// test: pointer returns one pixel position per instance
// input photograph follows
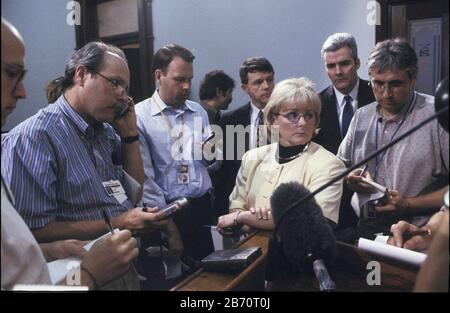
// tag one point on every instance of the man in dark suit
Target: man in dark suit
(257, 81)
(340, 100)
(340, 54)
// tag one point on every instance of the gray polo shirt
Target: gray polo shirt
(412, 165)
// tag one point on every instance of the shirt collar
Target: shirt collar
(254, 114)
(340, 96)
(155, 110)
(90, 131)
(399, 116)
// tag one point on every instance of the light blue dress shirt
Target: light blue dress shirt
(160, 141)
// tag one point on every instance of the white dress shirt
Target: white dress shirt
(340, 101)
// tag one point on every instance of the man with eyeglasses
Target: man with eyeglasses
(15, 91)
(23, 260)
(69, 162)
(415, 171)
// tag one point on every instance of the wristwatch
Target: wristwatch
(130, 139)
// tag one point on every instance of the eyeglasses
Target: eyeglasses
(394, 85)
(14, 71)
(294, 117)
(116, 84)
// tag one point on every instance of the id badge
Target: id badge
(183, 174)
(115, 189)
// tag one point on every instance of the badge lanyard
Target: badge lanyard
(183, 170)
(169, 125)
(379, 159)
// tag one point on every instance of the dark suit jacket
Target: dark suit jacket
(330, 138)
(230, 168)
(330, 133)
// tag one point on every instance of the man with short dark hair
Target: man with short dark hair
(257, 81)
(172, 129)
(215, 93)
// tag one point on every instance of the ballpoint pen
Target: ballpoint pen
(364, 170)
(420, 232)
(111, 229)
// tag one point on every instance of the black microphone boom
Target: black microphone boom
(441, 109)
(359, 164)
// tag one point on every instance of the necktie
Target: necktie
(259, 128)
(347, 115)
(217, 117)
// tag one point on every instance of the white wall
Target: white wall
(290, 33)
(49, 40)
(220, 33)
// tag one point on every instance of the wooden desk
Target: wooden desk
(348, 272)
(252, 278)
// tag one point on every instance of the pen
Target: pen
(364, 170)
(108, 221)
(409, 234)
(111, 229)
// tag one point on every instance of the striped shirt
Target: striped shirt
(55, 163)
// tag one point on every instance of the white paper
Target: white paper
(172, 265)
(224, 242)
(360, 199)
(23, 287)
(401, 254)
(59, 269)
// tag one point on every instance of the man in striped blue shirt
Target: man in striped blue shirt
(64, 162)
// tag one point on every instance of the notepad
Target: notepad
(400, 254)
(59, 269)
(231, 260)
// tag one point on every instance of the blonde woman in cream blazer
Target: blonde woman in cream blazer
(294, 109)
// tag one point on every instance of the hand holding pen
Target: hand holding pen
(357, 181)
(409, 236)
(112, 231)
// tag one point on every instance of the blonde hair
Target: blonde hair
(296, 93)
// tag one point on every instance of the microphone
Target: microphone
(441, 102)
(441, 109)
(306, 239)
(175, 206)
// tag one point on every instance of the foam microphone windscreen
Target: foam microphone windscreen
(304, 230)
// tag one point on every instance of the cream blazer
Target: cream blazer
(260, 174)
